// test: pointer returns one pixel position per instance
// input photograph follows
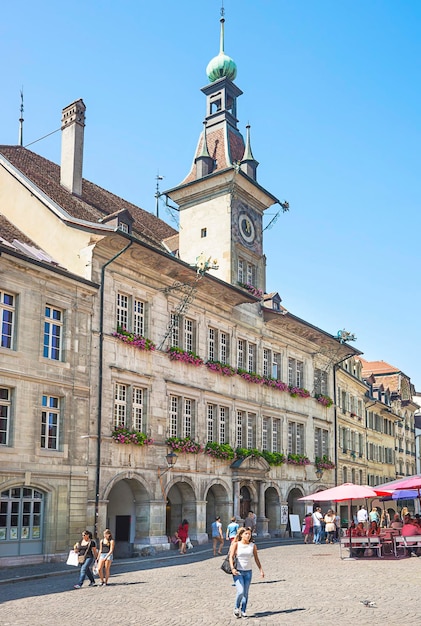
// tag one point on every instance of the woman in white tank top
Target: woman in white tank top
(243, 550)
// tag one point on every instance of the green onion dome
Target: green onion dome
(221, 66)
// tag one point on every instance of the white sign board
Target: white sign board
(294, 522)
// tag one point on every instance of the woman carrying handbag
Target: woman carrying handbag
(243, 550)
(87, 552)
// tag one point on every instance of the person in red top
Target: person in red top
(358, 531)
(409, 529)
(182, 534)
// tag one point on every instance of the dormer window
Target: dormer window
(123, 227)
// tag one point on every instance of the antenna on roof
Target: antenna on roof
(157, 193)
(21, 119)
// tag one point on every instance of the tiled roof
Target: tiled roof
(221, 142)
(13, 238)
(377, 367)
(9, 232)
(95, 202)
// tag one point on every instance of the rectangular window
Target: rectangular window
(295, 372)
(120, 405)
(241, 346)
(5, 408)
(251, 430)
(212, 352)
(53, 330)
(247, 272)
(138, 317)
(217, 422)
(241, 271)
(131, 314)
(183, 332)
(122, 311)
(223, 347)
(271, 364)
(251, 360)
(217, 345)
(320, 381)
(210, 421)
(276, 435)
(138, 409)
(246, 355)
(321, 440)
(265, 426)
(182, 417)
(50, 422)
(7, 317)
(203, 232)
(239, 429)
(188, 334)
(129, 407)
(295, 438)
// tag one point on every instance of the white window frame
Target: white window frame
(130, 406)
(295, 438)
(183, 332)
(7, 319)
(182, 416)
(131, 313)
(295, 372)
(53, 333)
(5, 415)
(50, 423)
(321, 442)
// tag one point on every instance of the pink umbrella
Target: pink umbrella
(412, 482)
(347, 492)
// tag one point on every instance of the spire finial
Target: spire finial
(21, 119)
(222, 20)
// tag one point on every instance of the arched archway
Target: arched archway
(295, 507)
(272, 510)
(218, 503)
(128, 515)
(181, 504)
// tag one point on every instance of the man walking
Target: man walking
(317, 525)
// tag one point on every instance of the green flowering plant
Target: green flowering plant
(186, 356)
(273, 458)
(185, 445)
(138, 341)
(324, 400)
(220, 368)
(219, 450)
(121, 434)
(324, 462)
(297, 459)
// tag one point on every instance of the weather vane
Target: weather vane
(344, 336)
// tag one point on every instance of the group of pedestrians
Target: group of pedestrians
(320, 528)
(88, 554)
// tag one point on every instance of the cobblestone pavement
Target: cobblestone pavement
(304, 584)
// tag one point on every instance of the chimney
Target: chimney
(72, 127)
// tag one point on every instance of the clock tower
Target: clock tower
(221, 204)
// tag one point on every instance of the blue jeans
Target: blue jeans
(316, 533)
(85, 570)
(242, 583)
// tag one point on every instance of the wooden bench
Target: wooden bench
(404, 543)
(361, 543)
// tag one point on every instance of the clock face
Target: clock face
(247, 228)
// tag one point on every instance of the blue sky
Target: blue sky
(332, 92)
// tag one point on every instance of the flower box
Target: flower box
(186, 356)
(121, 434)
(138, 341)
